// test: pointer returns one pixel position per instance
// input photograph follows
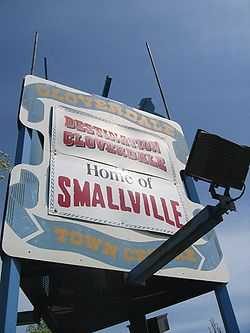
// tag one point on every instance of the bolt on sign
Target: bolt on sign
(101, 187)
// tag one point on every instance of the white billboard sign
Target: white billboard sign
(100, 186)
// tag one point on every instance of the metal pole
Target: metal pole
(9, 292)
(45, 68)
(11, 267)
(221, 293)
(158, 80)
(226, 310)
(34, 53)
(106, 87)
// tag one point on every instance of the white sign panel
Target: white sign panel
(88, 136)
(91, 191)
(99, 186)
(112, 174)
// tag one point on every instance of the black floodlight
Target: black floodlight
(158, 324)
(218, 161)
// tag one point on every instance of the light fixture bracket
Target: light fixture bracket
(224, 198)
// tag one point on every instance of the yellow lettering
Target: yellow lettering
(169, 130)
(61, 234)
(42, 90)
(132, 254)
(75, 238)
(131, 115)
(86, 100)
(70, 98)
(154, 124)
(100, 104)
(115, 108)
(110, 250)
(140, 254)
(57, 94)
(127, 255)
(143, 121)
(93, 243)
(188, 255)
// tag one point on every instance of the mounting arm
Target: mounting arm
(197, 227)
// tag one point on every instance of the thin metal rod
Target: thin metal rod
(45, 68)
(158, 80)
(34, 53)
(106, 87)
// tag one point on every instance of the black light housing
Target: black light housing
(218, 161)
(158, 324)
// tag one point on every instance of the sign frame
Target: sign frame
(27, 217)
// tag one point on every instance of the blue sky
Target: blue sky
(202, 51)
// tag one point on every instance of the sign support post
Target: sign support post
(9, 291)
(221, 293)
(226, 310)
(11, 267)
